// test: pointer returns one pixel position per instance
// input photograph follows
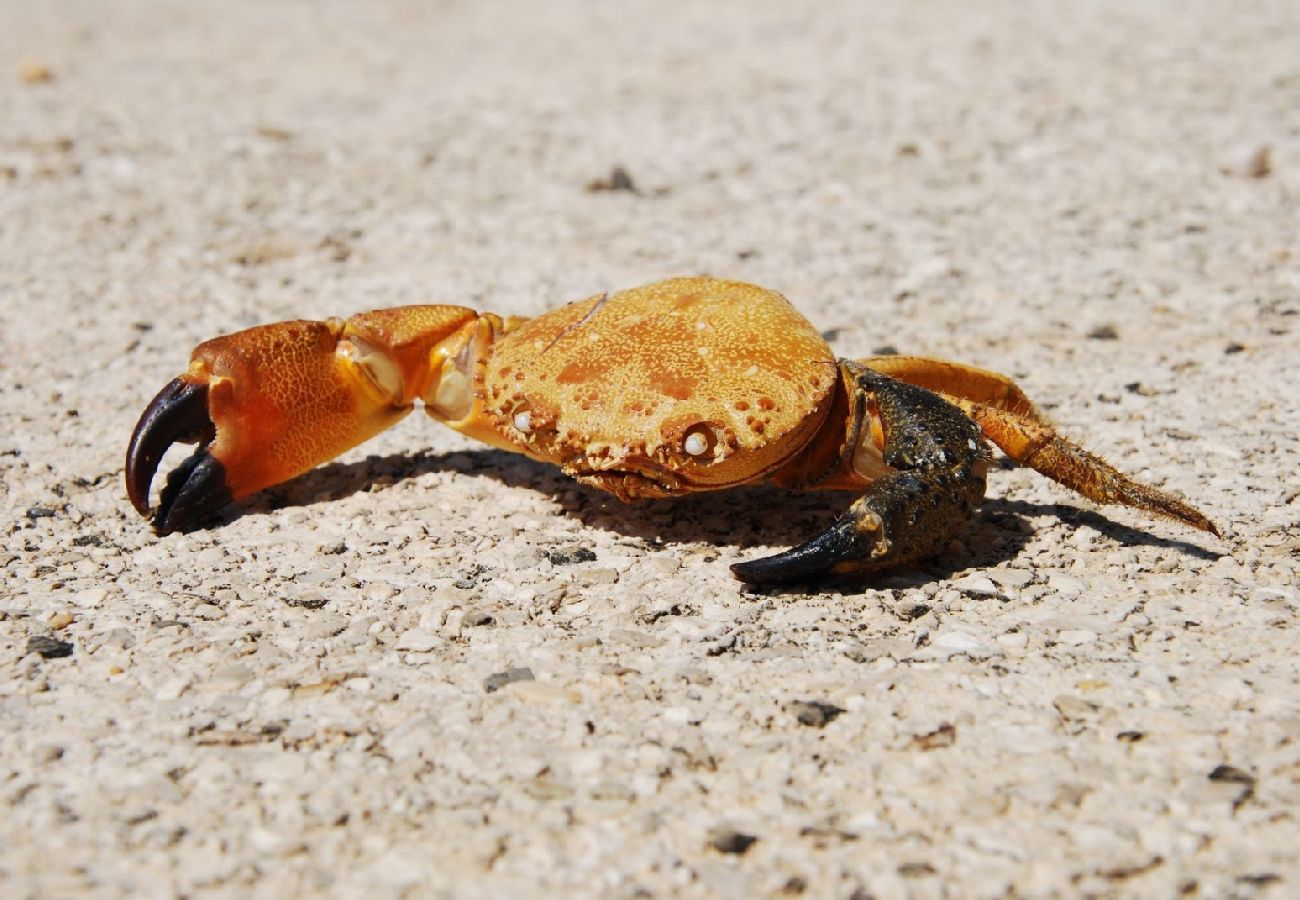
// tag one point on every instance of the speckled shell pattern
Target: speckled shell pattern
(685, 385)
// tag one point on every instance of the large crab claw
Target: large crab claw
(271, 402)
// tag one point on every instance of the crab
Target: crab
(686, 385)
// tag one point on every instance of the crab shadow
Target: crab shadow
(758, 516)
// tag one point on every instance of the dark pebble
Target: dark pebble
(1231, 775)
(569, 557)
(814, 713)
(497, 680)
(48, 647)
(728, 840)
(618, 180)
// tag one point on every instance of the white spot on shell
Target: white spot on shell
(971, 444)
(705, 351)
(696, 444)
(524, 421)
(751, 371)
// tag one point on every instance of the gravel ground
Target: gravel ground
(432, 668)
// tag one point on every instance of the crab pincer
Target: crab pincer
(179, 413)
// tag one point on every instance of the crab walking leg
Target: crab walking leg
(271, 402)
(1009, 419)
(957, 380)
(1034, 443)
(939, 460)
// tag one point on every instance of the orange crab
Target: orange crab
(692, 384)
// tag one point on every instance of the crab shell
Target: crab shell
(687, 385)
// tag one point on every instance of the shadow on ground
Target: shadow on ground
(747, 517)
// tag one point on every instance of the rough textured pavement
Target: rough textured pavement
(327, 692)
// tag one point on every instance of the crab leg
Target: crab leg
(1007, 418)
(271, 402)
(938, 460)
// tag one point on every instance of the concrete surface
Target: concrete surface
(1100, 199)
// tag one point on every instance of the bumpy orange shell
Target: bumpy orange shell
(688, 384)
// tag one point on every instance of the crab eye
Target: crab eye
(523, 421)
(699, 440)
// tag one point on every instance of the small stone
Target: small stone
(560, 557)
(119, 638)
(228, 679)
(1074, 708)
(91, 598)
(33, 71)
(360, 684)
(1248, 161)
(1075, 638)
(171, 690)
(475, 618)
(728, 840)
(59, 621)
(943, 736)
(418, 641)
(663, 565)
(814, 713)
(1237, 783)
(47, 647)
(497, 680)
(1015, 640)
(617, 180)
(598, 576)
(1011, 578)
(979, 585)
(1105, 332)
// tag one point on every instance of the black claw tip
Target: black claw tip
(178, 413)
(194, 488)
(833, 552)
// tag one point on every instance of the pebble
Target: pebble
(91, 598)
(1074, 708)
(814, 713)
(120, 639)
(1011, 578)
(1248, 161)
(497, 680)
(1076, 638)
(418, 641)
(172, 689)
(48, 647)
(597, 576)
(729, 840)
(59, 621)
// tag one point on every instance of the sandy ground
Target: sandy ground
(305, 699)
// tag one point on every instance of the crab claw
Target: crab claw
(269, 403)
(179, 413)
(834, 551)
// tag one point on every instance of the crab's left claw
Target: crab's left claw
(179, 413)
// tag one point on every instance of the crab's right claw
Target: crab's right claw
(271, 402)
(179, 413)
